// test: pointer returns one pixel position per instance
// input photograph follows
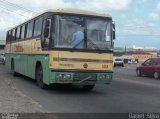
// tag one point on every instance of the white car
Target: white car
(118, 62)
(2, 58)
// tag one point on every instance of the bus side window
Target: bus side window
(30, 29)
(8, 37)
(25, 31)
(22, 32)
(13, 35)
(15, 38)
(18, 33)
(38, 27)
(35, 28)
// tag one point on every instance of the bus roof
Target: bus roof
(67, 11)
(78, 11)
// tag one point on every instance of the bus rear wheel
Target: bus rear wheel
(88, 87)
(39, 77)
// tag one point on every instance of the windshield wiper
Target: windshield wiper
(94, 45)
(85, 40)
(78, 44)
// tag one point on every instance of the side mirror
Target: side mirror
(47, 28)
(143, 64)
(113, 31)
(47, 23)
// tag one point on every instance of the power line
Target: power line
(17, 6)
(139, 36)
(147, 28)
(13, 12)
(132, 28)
(140, 26)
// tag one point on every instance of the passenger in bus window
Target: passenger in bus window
(78, 39)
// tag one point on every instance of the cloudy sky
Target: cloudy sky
(137, 21)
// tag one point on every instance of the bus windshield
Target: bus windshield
(84, 32)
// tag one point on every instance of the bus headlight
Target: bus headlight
(63, 76)
(105, 76)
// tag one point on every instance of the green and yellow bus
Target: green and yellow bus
(63, 46)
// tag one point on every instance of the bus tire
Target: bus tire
(13, 68)
(88, 87)
(39, 77)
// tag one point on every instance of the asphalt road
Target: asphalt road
(127, 93)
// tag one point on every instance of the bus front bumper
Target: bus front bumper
(83, 78)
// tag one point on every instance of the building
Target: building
(141, 56)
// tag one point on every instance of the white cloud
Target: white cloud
(141, 1)
(138, 28)
(41, 5)
(104, 4)
(81, 4)
(154, 16)
(158, 6)
(123, 16)
(10, 19)
(12, 14)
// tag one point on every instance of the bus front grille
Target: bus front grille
(82, 77)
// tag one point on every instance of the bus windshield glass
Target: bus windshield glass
(83, 32)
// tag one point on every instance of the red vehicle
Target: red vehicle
(150, 67)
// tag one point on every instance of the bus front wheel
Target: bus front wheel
(39, 77)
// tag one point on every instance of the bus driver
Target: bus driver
(77, 39)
